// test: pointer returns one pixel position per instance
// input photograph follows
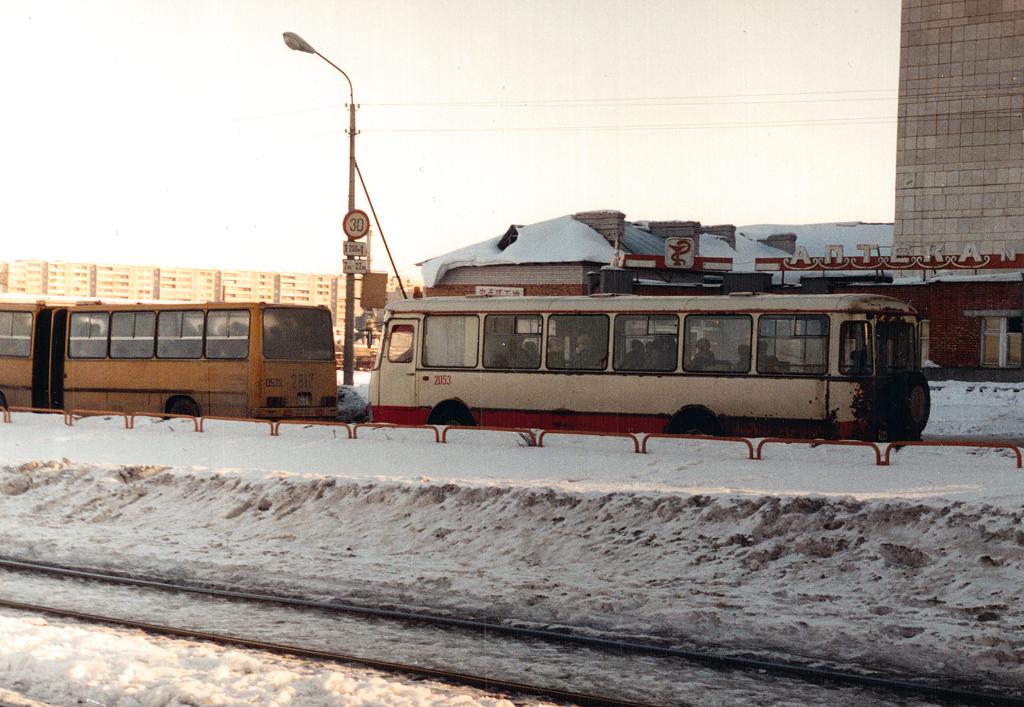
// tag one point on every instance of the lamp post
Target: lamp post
(294, 41)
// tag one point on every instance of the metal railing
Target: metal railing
(535, 438)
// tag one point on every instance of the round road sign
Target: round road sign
(356, 225)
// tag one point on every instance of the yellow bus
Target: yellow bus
(244, 360)
(806, 366)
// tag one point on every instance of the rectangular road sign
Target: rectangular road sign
(354, 248)
(351, 265)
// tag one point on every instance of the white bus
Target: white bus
(751, 365)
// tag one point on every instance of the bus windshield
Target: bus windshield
(297, 334)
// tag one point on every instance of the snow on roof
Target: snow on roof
(558, 240)
(565, 240)
(970, 276)
(816, 237)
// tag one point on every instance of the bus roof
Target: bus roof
(157, 305)
(736, 302)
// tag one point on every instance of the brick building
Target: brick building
(959, 217)
(960, 180)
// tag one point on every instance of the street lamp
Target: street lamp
(294, 41)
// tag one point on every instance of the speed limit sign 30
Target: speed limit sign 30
(356, 225)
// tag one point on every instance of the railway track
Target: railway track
(491, 656)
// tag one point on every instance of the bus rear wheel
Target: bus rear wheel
(451, 415)
(183, 406)
(694, 422)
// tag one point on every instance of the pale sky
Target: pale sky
(185, 132)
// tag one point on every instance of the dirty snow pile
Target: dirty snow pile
(816, 551)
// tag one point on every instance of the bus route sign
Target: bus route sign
(356, 224)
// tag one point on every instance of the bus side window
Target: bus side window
(646, 342)
(577, 341)
(16, 334)
(512, 341)
(400, 343)
(450, 340)
(132, 334)
(717, 343)
(792, 344)
(855, 348)
(227, 334)
(179, 334)
(88, 335)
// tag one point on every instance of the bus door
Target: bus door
(48, 359)
(396, 378)
(903, 401)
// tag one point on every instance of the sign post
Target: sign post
(356, 225)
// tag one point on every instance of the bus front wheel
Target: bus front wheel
(451, 414)
(183, 406)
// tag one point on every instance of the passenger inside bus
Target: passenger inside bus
(664, 354)
(526, 356)
(704, 358)
(858, 362)
(586, 354)
(772, 364)
(742, 364)
(496, 355)
(636, 358)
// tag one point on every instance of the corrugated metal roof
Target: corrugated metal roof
(639, 241)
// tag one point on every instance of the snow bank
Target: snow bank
(813, 550)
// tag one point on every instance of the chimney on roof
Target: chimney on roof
(726, 232)
(609, 224)
(677, 229)
(782, 241)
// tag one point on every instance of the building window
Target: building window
(923, 335)
(1000, 342)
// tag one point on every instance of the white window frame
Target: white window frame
(1004, 343)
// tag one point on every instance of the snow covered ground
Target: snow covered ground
(812, 550)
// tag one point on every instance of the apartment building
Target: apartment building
(149, 282)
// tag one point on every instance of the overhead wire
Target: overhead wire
(908, 102)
